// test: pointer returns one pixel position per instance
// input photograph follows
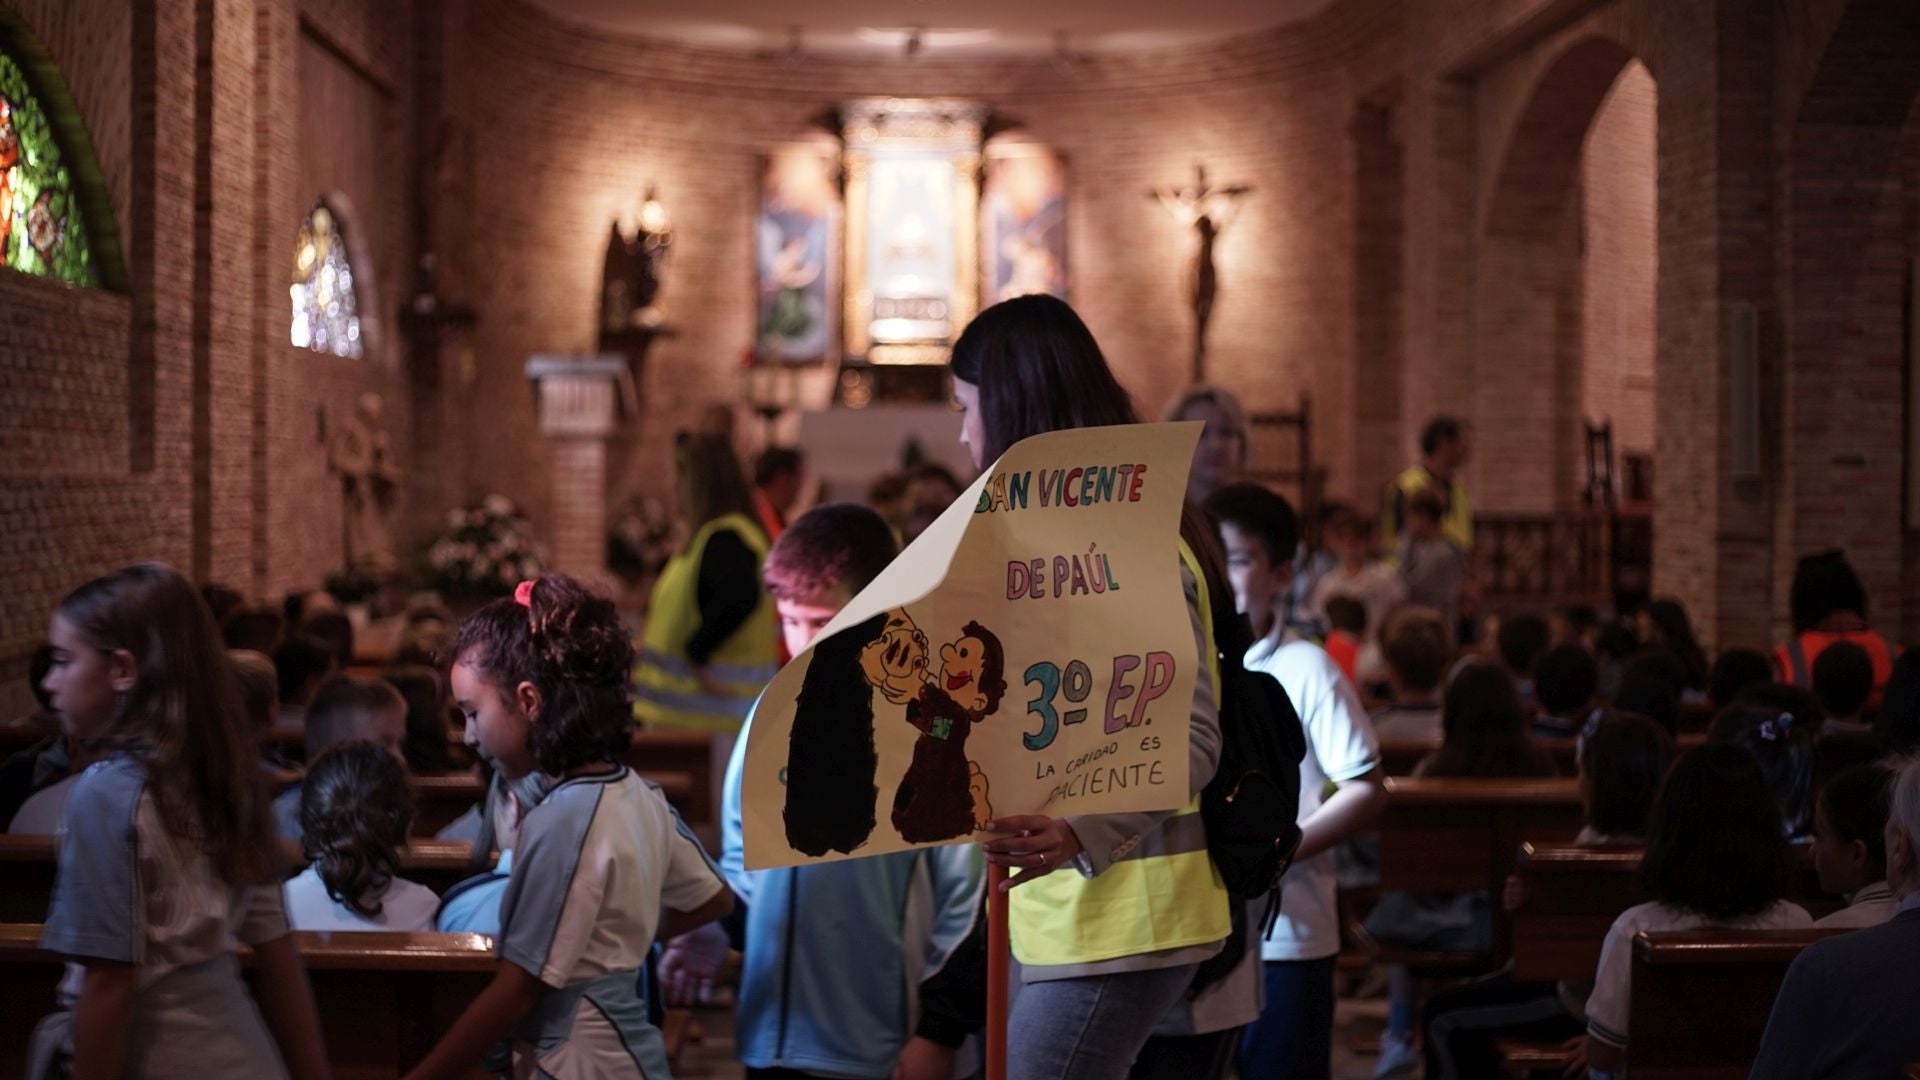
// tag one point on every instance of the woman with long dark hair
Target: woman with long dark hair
(1105, 960)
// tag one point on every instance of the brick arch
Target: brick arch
(1529, 280)
(1842, 394)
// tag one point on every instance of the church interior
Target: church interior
(387, 307)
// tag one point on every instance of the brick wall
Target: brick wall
(567, 126)
(1619, 264)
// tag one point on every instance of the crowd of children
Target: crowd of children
(165, 794)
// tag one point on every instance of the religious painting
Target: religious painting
(910, 250)
(795, 244)
(1023, 223)
(41, 231)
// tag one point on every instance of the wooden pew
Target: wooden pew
(383, 998)
(27, 869)
(1701, 999)
(687, 753)
(1398, 757)
(1444, 834)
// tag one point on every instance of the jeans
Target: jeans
(1091, 1028)
(1463, 1023)
(1293, 1039)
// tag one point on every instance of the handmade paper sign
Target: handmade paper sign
(1030, 653)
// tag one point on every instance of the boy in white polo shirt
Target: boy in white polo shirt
(1293, 1037)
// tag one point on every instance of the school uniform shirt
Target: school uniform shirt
(595, 863)
(40, 815)
(404, 905)
(1340, 747)
(1870, 906)
(1607, 1006)
(130, 892)
(836, 952)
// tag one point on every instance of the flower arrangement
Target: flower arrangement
(641, 537)
(485, 551)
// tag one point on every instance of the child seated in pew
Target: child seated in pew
(301, 666)
(1716, 857)
(428, 746)
(1650, 684)
(344, 709)
(1520, 643)
(1622, 759)
(1733, 671)
(45, 761)
(1850, 844)
(1780, 726)
(1843, 681)
(542, 680)
(1565, 679)
(1486, 736)
(1417, 647)
(355, 810)
(167, 863)
(1347, 642)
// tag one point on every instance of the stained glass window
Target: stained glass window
(41, 231)
(326, 312)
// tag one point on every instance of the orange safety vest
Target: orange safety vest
(1794, 660)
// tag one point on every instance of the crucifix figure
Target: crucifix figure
(1209, 210)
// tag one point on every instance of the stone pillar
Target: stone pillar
(581, 400)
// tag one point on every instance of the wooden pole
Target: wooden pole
(999, 951)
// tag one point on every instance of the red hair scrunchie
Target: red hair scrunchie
(523, 594)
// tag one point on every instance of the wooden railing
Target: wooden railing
(1588, 556)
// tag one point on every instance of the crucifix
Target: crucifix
(1209, 210)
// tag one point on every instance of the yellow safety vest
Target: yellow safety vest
(1456, 524)
(666, 693)
(1164, 894)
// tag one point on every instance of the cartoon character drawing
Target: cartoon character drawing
(830, 754)
(936, 800)
(977, 787)
(895, 661)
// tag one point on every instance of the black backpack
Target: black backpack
(1251, 805)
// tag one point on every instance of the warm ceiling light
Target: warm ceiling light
(901, 35)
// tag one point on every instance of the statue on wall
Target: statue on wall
(1208, 210)
(630, 276)
(362, 457)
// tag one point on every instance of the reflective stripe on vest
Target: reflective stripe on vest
(1164, 893)
(666, 692)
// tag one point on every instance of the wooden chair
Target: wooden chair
(1701, 999)
(383, 998)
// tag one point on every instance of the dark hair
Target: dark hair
(1522, 639)
(222, 600)
(1676, 633)
(1564, 678)
(342, 708)
(836, 544)
(568, 642)
(1824, 584)
(259, 687)
(888, 488)
(1426, 503)
(1898, 721)
(38, 667)
(258, 629)
(1615, 642)
(1714, 845)
(1039, 370)
(933, 470)
(993, 664)
(298, 662)
(1843, 678)
(1858, 802)
(423, 643)
(1580, 618)
(1346, 614)
(424, 689)
(1783, 745)
(773, 462)
(1735, 670)
(355, 811)
(1417, 647)
(1439, 431)
(709, 480)
(1486, 729)
(1261, 514)
(1623, 757)
(333, 631)
(183, 721)
(1650, 684)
